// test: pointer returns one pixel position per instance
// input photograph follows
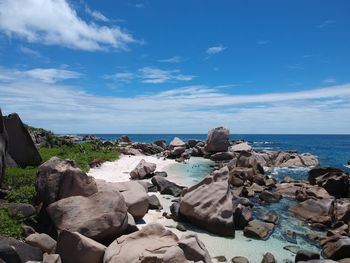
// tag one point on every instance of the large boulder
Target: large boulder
(152, 240)
(241, 147)
(167, 187)
(21, 147)
(101, 216)
(24, 251)
(135, 195)
(336, 247)
(3, 147)
(143, 170)
(222, 156)
(57, 179)
(208, 204)
(258, 229)
(293, 159)
(154, 243)
(334, 180)
(314, 211)
(249, 160)
(177, 142)
(76, 248)
(217, 140)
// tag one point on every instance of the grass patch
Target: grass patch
(23, 194)
(9, 226)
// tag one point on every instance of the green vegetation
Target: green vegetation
(23, 194)
(8, 225)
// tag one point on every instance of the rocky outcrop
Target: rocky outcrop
(208, 204)
(335, 181)
(134, 194)
(314, 211)
(217, 140)
(222, 156)
(154, 243)
(76, 248)
(124, 139)
(288, 159)
(58, 179)
(147, 148)
(249, 160)
(101, 216)
(176, 148)
(167, 187)
(241, 147)
(21, 148)
(143, 170)
(3, 147)
(19, 250)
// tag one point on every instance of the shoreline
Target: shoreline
(118, 171)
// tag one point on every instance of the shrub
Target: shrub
(9, 226)
(23, 194)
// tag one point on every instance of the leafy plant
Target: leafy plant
(8, 225)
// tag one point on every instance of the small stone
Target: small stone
(182, 228)
(268, 258)
(239, 260)
(220, 259)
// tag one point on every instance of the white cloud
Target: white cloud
(192, 109)
(30, 52)
(96, 14)
(329, 81)
(156, 75)
(55, 22)
(326, 24)
(175, 59)
(46, 75)
(215, 50)
(125, 77)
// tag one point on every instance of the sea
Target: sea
(332, 150)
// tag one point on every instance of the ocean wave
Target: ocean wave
(267, 142)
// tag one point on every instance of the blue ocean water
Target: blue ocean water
(332, 150)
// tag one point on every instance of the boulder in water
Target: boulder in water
(217, 140)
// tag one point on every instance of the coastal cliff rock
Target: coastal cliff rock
(217, 140)
(154, 243)
(3, 147)
(57, 179)
(101, 216)
(208, 204)
(135, 195)
(334, 180)
(76, 248)
(143, 170)
(21, 148)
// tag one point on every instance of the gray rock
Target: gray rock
(177, 142)
(222, 156)
(43, 241)
(58, 179)
(258, 229)
(208, 204)
(143, 170)
(21, 147)
(23, 250)
(167, 187)
(19, 210)
(241, 147)
(194, 249)
(101, 216)
(9, 254)
(305, 255)
(239, 260)
(76, 248)
(154, 203)
(270, 197)
(217, 140)
(134, 194)
(268, 258)
(51, 258)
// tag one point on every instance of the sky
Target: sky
(185, 66)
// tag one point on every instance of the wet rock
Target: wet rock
(242, 216)
(143, 170)
(239, 260)
(305, 255)
(101, 216)
(135, 196)
(335, 181)
(76, 248)
(290, 236)
(57, 179)
(208, 204)
(268, 258)
(43, 241)
(270, 218)
(21, 148)
(258, 229)
(220, 259)
(154, 203)
(167, 187)
(316, 211)
(292, 249)
(270, 197)
(24, 251)
(217, 140)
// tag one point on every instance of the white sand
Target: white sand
(118, 171)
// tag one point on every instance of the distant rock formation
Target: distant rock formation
(3, 147)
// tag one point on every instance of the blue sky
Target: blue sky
(177, 66)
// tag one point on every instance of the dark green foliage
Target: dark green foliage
(9, 226)
(23, 194)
